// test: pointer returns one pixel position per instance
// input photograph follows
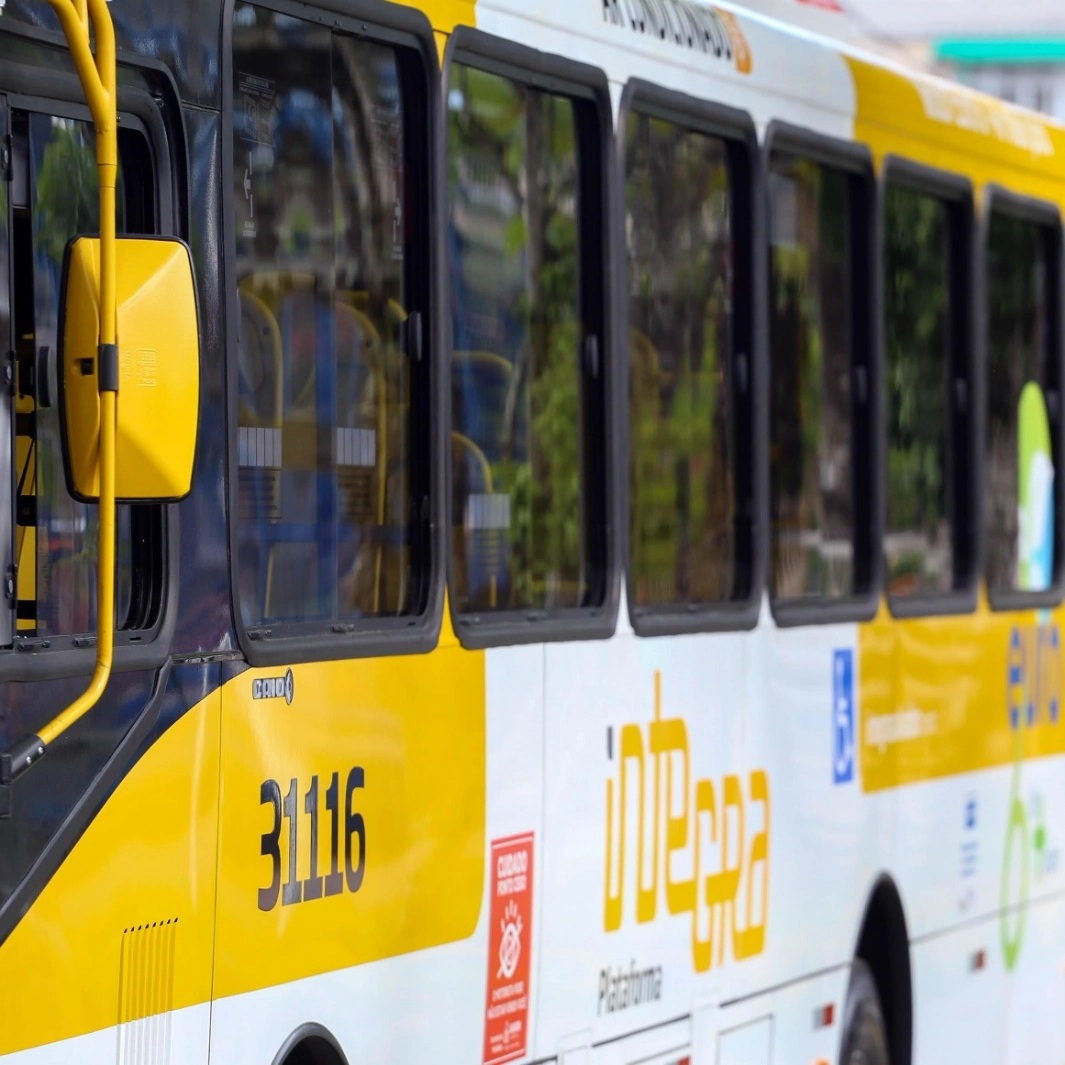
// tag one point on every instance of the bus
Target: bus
(529, 534)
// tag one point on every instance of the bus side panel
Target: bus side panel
(1034, 1029)
(449, 823)
(124, 931)
(705, 836)
(352, 814)
(959, 1011)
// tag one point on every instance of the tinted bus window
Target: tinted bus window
(811, 301)
(520, 531)
(681, 419)
(918, 545)
(1022, 383)
(325, 525)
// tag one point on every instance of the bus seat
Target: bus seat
(646, 367)
(282, 291)
(487, 360)
(259, 363)
(266, 304)
(484, 379)
(480, 554)
(362, 405)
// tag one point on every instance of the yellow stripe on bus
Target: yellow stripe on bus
(941, 696)
(948, 126)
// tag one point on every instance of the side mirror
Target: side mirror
(158, 369)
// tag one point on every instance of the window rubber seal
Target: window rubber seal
(956, 191)
(1047, 216)
(583, 82)
(855, 159)
(270, 644)
(748, 209)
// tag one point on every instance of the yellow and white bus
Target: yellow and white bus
(578, 577)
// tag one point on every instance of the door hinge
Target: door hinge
(10, 584)
(5, 157)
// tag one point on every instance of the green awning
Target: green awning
(1001, 50)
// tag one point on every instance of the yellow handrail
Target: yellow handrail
(98, 77)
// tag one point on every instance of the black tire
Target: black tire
(864, 1033)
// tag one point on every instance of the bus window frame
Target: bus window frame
(409, 32)
(577, 81)
(1047, 215)
(956, 192)
(747, 206)
(45, 90)
(856, 160)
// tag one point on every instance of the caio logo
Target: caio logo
(274, 687)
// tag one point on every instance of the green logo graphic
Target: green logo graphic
(1035, 504)
(1018, 850)
(1035, 570)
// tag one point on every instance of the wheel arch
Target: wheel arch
(310, 1044)
(884, 945)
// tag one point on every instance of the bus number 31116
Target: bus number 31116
(315, 886)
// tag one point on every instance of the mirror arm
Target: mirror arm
(98, 78)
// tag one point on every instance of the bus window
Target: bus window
(56, 536)
(520, 529)
(926, 352)
(325, 433)
(7, 521)
(1021, 441)
(811, 305)
(682, 423)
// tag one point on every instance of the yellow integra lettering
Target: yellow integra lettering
(731, 898)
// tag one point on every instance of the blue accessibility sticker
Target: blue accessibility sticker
(842, 716)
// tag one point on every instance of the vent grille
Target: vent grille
(146, 993)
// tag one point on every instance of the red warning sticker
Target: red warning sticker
(509, 946)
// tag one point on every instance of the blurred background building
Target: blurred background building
(1014, 49)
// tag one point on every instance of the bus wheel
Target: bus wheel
(864, 1035)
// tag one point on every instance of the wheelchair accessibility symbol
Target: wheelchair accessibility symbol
(842, 716)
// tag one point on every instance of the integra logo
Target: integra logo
(721, 834)
(274, 687)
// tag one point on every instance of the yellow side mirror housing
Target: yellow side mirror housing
(158, 369)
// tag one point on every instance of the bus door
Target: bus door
(107, 843)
